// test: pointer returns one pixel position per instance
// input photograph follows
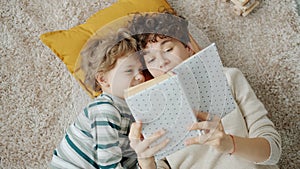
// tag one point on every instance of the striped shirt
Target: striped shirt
(98, 138)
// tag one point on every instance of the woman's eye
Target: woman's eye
(168, 49)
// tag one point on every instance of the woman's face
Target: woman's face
(163, 55)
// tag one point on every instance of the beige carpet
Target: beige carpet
(39, 98)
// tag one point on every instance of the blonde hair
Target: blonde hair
(101, 53)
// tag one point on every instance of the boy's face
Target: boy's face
(126, 73)
(163, 55)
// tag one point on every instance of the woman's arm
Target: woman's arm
(255, 116)
(252, 149)
(263, 145)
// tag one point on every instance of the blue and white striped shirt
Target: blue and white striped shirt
(98, 138)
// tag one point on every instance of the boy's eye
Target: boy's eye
(141, 69)
(151, 60)
(128, 71)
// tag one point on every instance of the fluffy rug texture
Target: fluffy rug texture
(39, 97)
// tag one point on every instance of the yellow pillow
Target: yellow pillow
(67, 44)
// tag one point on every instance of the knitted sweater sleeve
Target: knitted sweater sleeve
(255, 114)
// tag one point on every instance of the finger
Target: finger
(202, 139)
(148, 141)
(195, 140)
(213, 135)
(218, 121)
(204, 125)
(216, 118)
(221, 128)
(215, 132)
(202, 116)
(153, 150)
(135, 131)
(191, 141)
(214, 142)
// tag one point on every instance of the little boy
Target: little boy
(246, 132)
(99, 136)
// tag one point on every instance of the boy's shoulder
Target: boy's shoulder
(102, 103)
(103, 98)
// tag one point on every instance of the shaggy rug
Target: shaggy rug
(39, 97)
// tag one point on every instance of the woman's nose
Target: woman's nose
(163, 61)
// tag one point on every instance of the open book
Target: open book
(169, 101)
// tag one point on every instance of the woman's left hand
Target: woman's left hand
(214, 134)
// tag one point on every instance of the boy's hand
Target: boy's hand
(141, 146)
(214, 133)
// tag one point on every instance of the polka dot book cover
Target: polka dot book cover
(170, 101)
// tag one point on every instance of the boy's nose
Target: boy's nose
(140, 77)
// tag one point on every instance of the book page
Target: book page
(164, 106)
(202, 78)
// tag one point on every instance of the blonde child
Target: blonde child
(244, 138)
(99, 136)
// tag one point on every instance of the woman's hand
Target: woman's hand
(214, 134)
(141, 146)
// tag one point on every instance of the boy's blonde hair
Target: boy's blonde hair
(101, 53)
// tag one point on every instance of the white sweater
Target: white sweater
(249, 119)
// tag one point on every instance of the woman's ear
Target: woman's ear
(190, 49)
(102, 80)
(193, 44)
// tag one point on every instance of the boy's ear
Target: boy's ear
(102, 80)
